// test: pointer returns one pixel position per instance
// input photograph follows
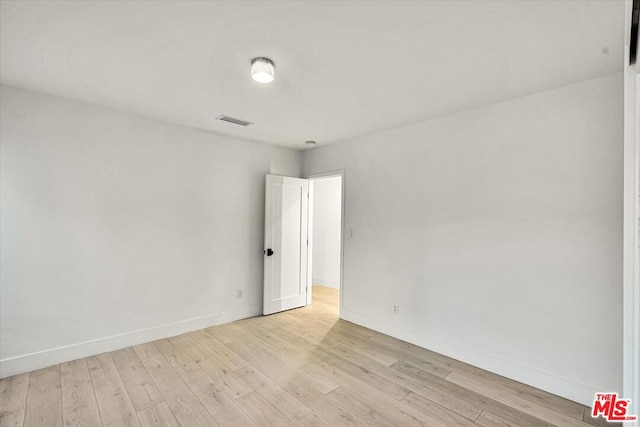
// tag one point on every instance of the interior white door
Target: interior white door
(285, 243)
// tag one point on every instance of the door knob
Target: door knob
(269, 252)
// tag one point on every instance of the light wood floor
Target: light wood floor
(301, 367)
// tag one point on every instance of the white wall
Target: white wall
(118, 229)
(327, 217)
(498, 231)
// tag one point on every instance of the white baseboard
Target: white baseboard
(551, 383)
(326, 282)
(42, 359)
(545, 381)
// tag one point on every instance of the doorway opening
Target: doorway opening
(325, 240)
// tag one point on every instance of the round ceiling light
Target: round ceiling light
(262, 70)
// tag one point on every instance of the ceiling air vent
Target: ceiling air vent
(233, 120)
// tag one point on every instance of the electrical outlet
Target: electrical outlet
(239, 293)
(395, 308)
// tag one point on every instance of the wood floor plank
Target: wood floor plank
(374, 394)
(215, 369)
(506, 397)
(233, 385)
(79, 406)
(427, 366)
(525, 392)
(171, 352)
(308, 373)
(465, 396)
(277, 373)
(316, 354)
(185, 406)
(427, 390)
(265, 322)
(368, 351)
(401, 349)
(207, 361)
(146, 350)
(425, 363)
(157, 416)
(47, 370)
(597, 422)
(13, 400)
(218, 349)
(285, 334)
(437, 414)
(226, 333)
(261, 412)
(294, 410)
(320, 404)
(487, 419)
(114, 404)
(312, 374)
(140, 387)
(44, 403)
(183, 340)
(454, 393)
(419, 373)
(426, 360)
(364, 397)
(123, 353)
(293, 324)
(249, 325)
(221, 407)
(365, 410)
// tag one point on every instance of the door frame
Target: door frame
(631, 226)
(314, 177)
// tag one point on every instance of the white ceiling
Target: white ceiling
(342, 68)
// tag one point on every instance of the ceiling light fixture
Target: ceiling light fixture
(262, 70)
